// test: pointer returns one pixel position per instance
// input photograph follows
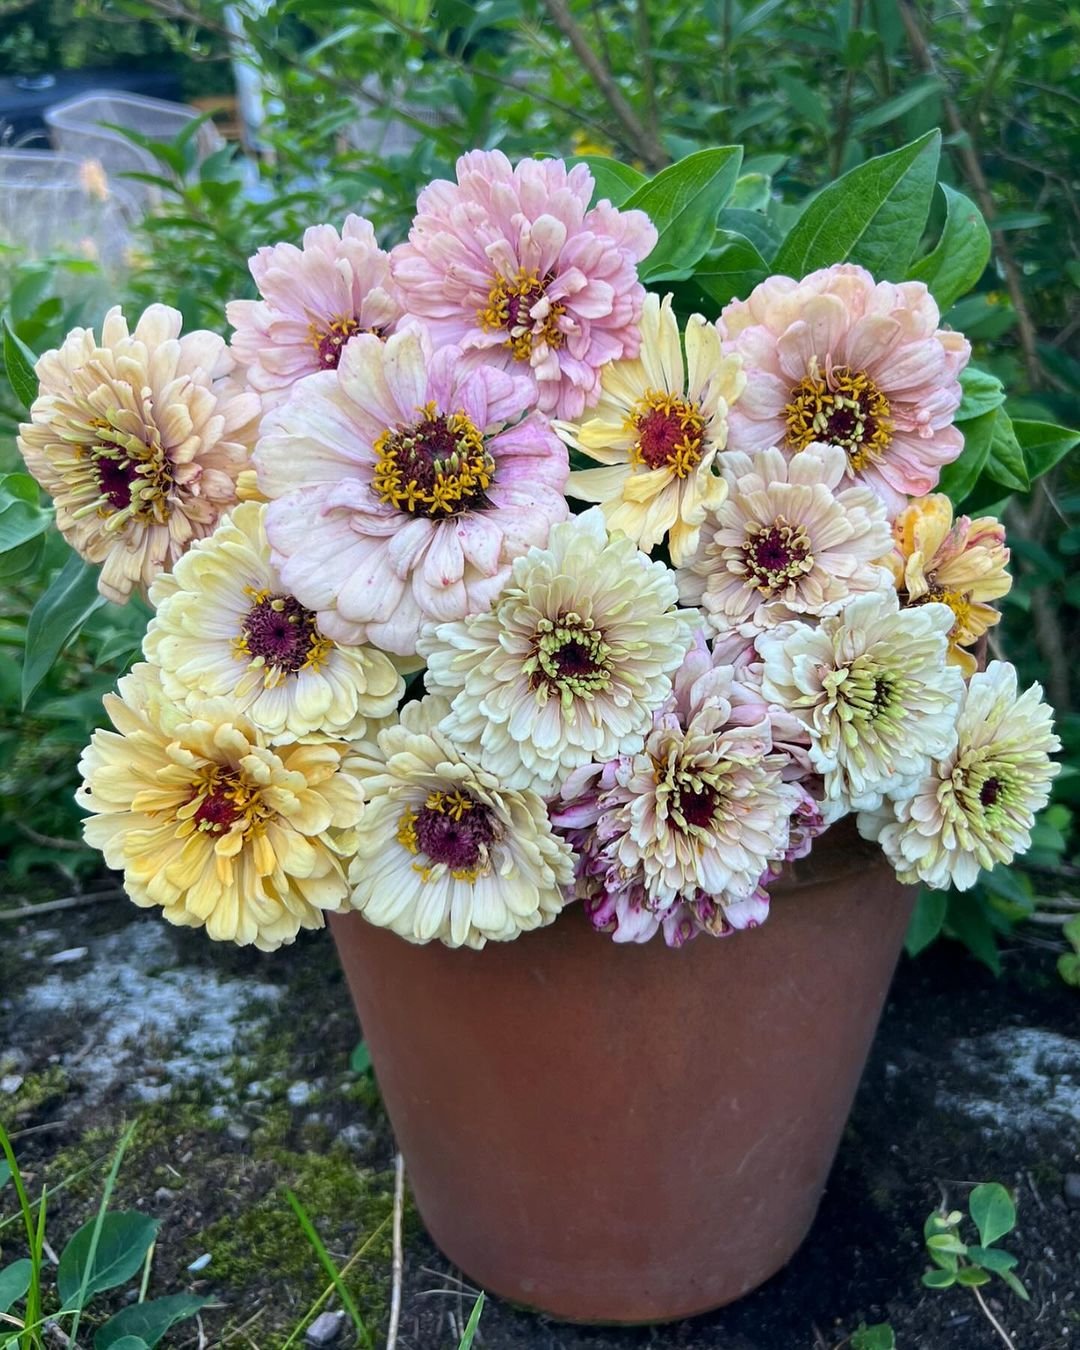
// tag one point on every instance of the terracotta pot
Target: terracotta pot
(629, 1133)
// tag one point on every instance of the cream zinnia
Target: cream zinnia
(315, 299)
(976, 806)
(872, 688)
(839, 358)
(139, 439)
(445, 851)
(657, 429)
(209, 823)
(570, 661)
(403, 484)
(959, 563)
(789, 540)
(226, 627)
(509, 261)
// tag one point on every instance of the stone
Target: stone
(201, 1262)
(325, 1330)
(164, 1196)
(299, 1094)
(66, 957)
(11, 1082)
(235, 1130)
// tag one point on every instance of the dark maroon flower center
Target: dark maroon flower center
(658, 434)
(454, 829)
(698, 806)
(329, 342)
(990, 792)
(116, 478)
(280, 630)
(575, 659)
(217, 812)
(440, 466)
(775, 555)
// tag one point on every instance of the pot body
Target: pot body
(621, 1133)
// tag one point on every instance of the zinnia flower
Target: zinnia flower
(976, 806)
(683, 832)
(445, 851)
(961, 564)
(788, 540)
(511, 262)
(838, 358)
(315, 299)
(226, 628)
(657, 429)
(872, 688)
(404, 486)
(139, 439)
(568, 664)
(209, 823)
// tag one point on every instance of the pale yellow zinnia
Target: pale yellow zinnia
(209, 823)
(959, 563)
(226, 627)
(139, 438)
(656, 430)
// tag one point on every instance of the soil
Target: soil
(237, 1067)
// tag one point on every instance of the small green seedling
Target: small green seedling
(878, 1337)
(1069, 963)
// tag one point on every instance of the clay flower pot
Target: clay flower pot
(629, 1133)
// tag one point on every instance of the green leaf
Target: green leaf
(123, 1242)
(982, 391)
(19, 362)
(14, 1282)
(683, 202)
(874, 215)
(939, 1279)
(896, 107)
(1044, 444)
(962, 252)
(971, 1277)
(992, 1258)
(807, 102)
(877, 1337)
(752, 192)
(614, 181)
(959, 477)
(127, 1343)
(360, 1059)
(21, 516)
(1005, 463)
(59, 613)
(968, 922)
(762, 232)
(5, 1172)
(147, 1322)
(991, 1207)
(947, 1242)
(926, 921)
(1015, 1285)
(732, 268)
(474, 1321)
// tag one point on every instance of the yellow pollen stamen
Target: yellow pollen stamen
(668, 431)
(842, 408)
(510, 304)
(437, 467)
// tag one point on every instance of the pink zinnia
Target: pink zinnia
(511, 261)
(840, 359)
(403, 485)
(315, 299)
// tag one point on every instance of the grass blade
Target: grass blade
(332, 1271)
(106, 1196)
(29, 1337)
(474, 1321)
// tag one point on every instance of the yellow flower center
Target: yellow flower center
(510, 306)
(279, 634)
(776, 554)
(451, 829)
(957, 601)
(437, 467)
(669, 432)
(844, 408)
(220, 799)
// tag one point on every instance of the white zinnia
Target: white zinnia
(226, 627)
(871, 686)
(445, 852)
(975, 808)
(788, 540)
(570, 662)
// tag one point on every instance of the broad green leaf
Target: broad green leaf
(614, 181)
(962, 252)
(926, 921)
(947, 1242)
(752, 192)
(21, 515)
(807, 102)
(968, 922)
(982, 391)
(683, 202)
(763, 233)
(1044, 444)
(360, 1059)
(878, 1337)
(123, 1243)
(732, 268)
(893, 108)
(971, 1277)
(14, 1282)
(992, 1258)
(1005, 463)
(147, 1322)
(19, 363)
(939, 1279)
(59, 613)
(991, 1207)
(129, 1343)
(874, 215)
(959, 477)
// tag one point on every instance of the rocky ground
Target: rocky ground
(237, 1067)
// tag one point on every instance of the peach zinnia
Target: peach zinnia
(841, 359)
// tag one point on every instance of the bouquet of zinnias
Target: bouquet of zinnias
(680, 587)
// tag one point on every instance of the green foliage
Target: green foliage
(970, 1265)
(469, 1334)
(877, 1337)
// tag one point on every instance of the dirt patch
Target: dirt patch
(238, 1067)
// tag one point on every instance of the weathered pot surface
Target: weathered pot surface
(629, 1133)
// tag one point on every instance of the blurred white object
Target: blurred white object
(82, 126)
(57, 203)
(378, 131)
